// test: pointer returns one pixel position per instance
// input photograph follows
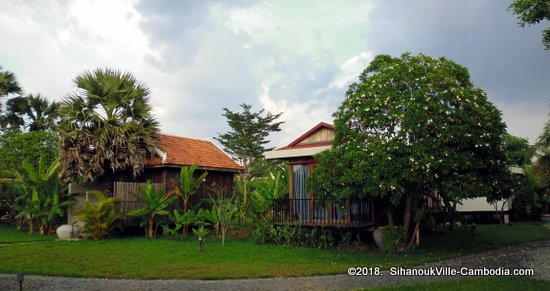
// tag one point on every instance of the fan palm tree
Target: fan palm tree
(8, 83)
(106, 124)
(32, 112)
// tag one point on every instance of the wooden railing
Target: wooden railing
(314, 212)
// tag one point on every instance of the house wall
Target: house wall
(321, 135)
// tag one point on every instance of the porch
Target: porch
(352, 212)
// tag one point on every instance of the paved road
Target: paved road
(534, 255)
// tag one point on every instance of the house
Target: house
(303, 207)
(163, 169)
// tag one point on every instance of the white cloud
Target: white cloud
(298, 117)
(349, 71)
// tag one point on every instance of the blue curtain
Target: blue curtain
(301, 206)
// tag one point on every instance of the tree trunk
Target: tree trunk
(407, 212)
(31, 225)
(389, 215)
(185, 229)
(417, 226)
(150, 227)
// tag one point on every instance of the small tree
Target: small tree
(155, 204)
(518, 154)
(246, 140)
(411, 126)
(225, 209)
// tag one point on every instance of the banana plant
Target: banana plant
(180, 220)
(188, 187)
(39, 200)
(155, 204)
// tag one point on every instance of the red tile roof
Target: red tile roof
(183, 151)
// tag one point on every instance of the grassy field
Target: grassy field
(164, 258)
(9, 234)
(481, 284)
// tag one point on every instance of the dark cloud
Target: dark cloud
(177, 28)
(507, 61)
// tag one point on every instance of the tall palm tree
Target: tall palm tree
(32, 112)
(106, 124)
(8, 85)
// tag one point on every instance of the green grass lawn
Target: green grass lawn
(163, 258)
(9, 234)
(481, 284)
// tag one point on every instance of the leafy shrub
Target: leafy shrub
(99, 218)
(291, 235)
(393, 238)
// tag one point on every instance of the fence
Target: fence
(129, 198)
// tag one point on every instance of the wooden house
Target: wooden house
(302, 207)
(163, 168)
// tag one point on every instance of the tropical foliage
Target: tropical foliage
(265, 190)
(40, 189)
(18, 147)
(224, 210)
(188, 186)
(99, 217)
(411, 126)
(106, 125)
(155, 204)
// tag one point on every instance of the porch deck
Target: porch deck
(350, 213)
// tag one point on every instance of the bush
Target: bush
(393, 238)
(291, 235)
(99, 218)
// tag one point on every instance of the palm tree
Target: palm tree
(8, 83)
(106, 123)
(32, 112)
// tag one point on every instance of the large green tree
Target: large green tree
(518, 151)
(106, 125)
(409, 127)
(531, 12)
(15, 148)
(247, 139)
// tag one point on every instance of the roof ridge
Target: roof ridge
(179, 136)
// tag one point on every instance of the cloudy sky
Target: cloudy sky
(295, 57)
